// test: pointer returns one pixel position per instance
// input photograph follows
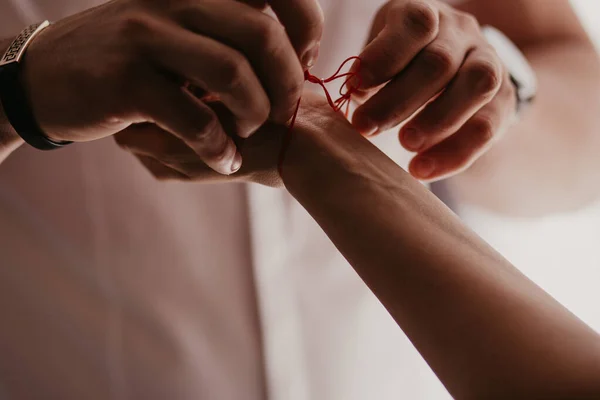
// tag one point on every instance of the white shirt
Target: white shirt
(115, 286)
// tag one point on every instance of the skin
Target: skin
(509, 339)
(429, 58)
(155, 54)
(409, 39)
(178, 162)
(548, 162)
(468, 135)
(486, 330)
(544, 163)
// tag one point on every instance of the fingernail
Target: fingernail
(413, 139)
(237, 162)
(424, 167)
(365, 125)
(310, 57)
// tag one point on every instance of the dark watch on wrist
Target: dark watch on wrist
(12, 94)
(521, 73)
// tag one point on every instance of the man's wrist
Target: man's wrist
(522, 74)
(14, 95)
(9, 139)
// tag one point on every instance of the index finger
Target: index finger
(409, 28)
(303, 21)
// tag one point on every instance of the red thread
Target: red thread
(346, 91)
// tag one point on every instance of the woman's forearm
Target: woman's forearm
(485, 329)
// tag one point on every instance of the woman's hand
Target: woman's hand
(426, 57)
(131, 62)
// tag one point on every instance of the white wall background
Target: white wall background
(589, 12)
(561, 253)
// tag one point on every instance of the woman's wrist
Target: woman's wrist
(328, 158)
(320, 153)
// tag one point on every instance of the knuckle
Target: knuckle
(421, 19)
(392, 118)
(209, 128)
(188, 13)
(467, 21)
(135, 26)
(482, 129)
(218, 154)
(439, 60)
(311, 32)
(314, 27)
(485, 77)
(435, 123)
(388, 53)
(269, 34)
(211, 143)
(233, 71)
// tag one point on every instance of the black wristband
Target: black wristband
(13, 96)
(18, 110)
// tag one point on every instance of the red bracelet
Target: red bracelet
(346, 91)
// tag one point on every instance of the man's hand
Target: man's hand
(303, 21)
(429, 61)
(132, 62)
(169, 158)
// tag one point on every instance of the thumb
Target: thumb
(399, 33)
(377, 26)
(378, 23)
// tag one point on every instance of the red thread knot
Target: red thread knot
(346, 91)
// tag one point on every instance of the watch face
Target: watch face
(519, 68)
